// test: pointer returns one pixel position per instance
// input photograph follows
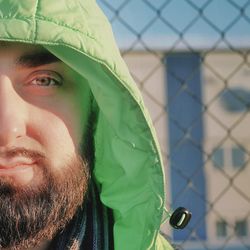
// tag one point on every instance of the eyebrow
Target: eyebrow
(35, 59)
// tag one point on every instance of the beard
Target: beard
(35, 213)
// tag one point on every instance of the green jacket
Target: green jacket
(128, 167)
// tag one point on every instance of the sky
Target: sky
(160, 23)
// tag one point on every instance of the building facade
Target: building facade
(199, 104)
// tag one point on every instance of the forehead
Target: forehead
(19, 48)
(25, 55)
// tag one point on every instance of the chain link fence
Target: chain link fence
(191, 60)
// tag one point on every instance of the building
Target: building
(199, 103)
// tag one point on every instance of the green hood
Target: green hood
(128, 166)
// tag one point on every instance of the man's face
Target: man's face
(43, 113)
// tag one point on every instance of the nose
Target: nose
(12, 113)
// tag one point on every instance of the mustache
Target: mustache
(21, 151)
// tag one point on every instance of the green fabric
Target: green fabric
(128, 167)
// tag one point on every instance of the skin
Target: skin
(41, 109)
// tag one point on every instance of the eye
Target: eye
(45, 79)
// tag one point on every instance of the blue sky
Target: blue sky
(179, 16)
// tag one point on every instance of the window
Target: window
(241, 228)
(233, 157)
(238, 157)
(221, 228)
(218, 157)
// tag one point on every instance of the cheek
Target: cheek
(58, 132)
(59, 121)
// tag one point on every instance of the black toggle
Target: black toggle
(180, 218)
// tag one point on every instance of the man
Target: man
(79, 163)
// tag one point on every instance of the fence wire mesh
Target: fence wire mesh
(191, 60)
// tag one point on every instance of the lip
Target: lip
(14, 162)
(15, 165)
(15, 168)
